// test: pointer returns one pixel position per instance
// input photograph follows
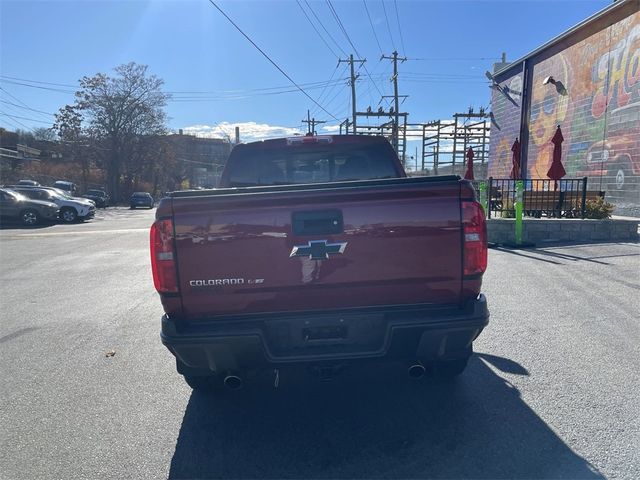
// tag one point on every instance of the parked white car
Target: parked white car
(71, 209)
(68, 196)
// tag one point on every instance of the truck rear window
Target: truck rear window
(293, 165)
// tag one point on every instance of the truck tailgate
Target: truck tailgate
(311, 249)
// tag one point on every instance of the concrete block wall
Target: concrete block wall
(502, 230)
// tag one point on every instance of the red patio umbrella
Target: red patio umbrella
(469, 173)
(515, 160)
(557, 171)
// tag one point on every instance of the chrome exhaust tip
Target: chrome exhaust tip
(416, 371)
(233, 382)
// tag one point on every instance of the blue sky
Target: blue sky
(193, 48)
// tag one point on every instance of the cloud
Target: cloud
(249, 131)
(331, 129)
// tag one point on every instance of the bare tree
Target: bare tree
(43, 134)
(114, 113)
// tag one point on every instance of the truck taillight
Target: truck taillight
(475, 238)
(162, 257)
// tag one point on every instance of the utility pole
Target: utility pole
(346, 124)
(351, 61)
(396, 102)
(311, 124)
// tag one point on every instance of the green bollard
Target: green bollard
(483, 196)
(518, 205)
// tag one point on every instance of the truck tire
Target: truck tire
(29, 217)
(68, 215)
(205, 383)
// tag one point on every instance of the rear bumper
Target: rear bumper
(394, 333)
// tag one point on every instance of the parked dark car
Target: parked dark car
(29, 212)
(69, 187)
(100, 197)
(141, 199)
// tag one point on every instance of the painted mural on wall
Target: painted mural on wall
(506, 101)
(594, 95)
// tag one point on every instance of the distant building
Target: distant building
(587, 80)
(204, 158)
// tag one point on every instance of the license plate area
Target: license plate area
(325, 335)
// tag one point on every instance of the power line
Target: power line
(324, 28)
(16, 98)
(194, 98)
(50, 89)
(436, 79)
(364, 2)
(14, 120)
(381, 77)
(327, 91)
(395, 4)
(337, 94)
(270, 60)
(444, 59)
(24, 118)
(26, 108)
(445, 81)
(317, 84)
(40, 82)
(442, 75)
(334, 84)
(16, 123)
(445, 74)
(393, 44)
(316, 30)
(344, 30)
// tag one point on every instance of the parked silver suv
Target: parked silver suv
(71, 209)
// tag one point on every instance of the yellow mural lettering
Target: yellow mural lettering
(622, 67)
(633, 62)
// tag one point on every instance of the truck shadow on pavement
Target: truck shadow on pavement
(557, 254)
(375, 423)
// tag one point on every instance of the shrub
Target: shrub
(598, 208)
(508, 208)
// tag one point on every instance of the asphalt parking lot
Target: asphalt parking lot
(553, 391)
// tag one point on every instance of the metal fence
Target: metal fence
(541, 198)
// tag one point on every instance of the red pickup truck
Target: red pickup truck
(319, 251)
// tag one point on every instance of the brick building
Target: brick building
(593, 94)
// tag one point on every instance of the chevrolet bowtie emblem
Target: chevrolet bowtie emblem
(318, 249)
